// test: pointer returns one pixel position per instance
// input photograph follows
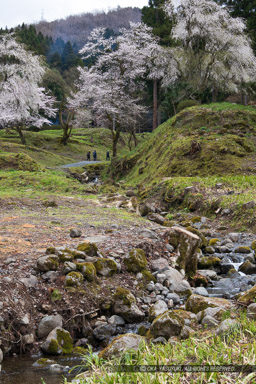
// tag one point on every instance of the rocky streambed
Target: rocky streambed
(117, 291)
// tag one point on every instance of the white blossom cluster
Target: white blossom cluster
(214, 49)
(22, 100)
(111, 88)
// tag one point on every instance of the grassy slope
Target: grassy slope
(44, 146)
(225, 132)
(162, 167)
(22, 170)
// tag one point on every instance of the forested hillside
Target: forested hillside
(77, 28)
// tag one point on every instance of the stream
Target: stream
(20, 370)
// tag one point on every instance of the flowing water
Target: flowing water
(20, 370)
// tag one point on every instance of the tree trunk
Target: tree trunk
(115, 138)
(134, 138)
(244, 99)
(66, 126)
(64, 139)
(155, 104)
(22, 138)
(214, 95)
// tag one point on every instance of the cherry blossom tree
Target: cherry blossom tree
(113, 87)
(110, 88)
(23, 101)
(213, 52)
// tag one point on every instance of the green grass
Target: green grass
(226, 134)
(45, 148)
(38, 184)
(236, 347)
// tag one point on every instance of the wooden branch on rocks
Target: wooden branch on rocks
(82, 315)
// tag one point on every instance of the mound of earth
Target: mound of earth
(19, 161)
(205, 140)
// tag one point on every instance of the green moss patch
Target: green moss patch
(89, 248)
(136, 261)
(88, 270)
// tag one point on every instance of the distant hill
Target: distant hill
(77, 28)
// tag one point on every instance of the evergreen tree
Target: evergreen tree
(155, 17)
(69, 58)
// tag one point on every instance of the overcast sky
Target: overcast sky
(14, 12)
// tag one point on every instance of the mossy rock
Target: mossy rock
(197, 303)
(74, 279)
(147, 276)
(44, 362)
(89, 248)
(198, 280)
(196, 219)
(48, 263)
(105, 267)
(136, 261)
(203, 241)
(231, 272)
(243, 249)
(185, 243)
(253, 245)
(186, 315)
(66, 256)
(208, 262)
(125, 296)
(166, 325)
(213, 242)
(248, 297)
(209, 250)
(142, 330)
(88, 270)
(50, 251)
(58, 342)
(121, 344)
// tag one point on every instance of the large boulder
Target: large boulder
(166, 325)
(88, 270)
(248, 297)
(176, 282)
(47, 324)
(105, 267)
(89, 248)
(185, 244)
(48, 263)
(157, 218)
(122, 344)
(125, 306)
(157, 309)
(136, 260)
(104, 331)
(248, 268)
(74, 279)
(58, 342)
(197, 303)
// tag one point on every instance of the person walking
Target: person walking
(95, 155)
(107, 156)
(88, 156)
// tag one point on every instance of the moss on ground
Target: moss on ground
(213, 139)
